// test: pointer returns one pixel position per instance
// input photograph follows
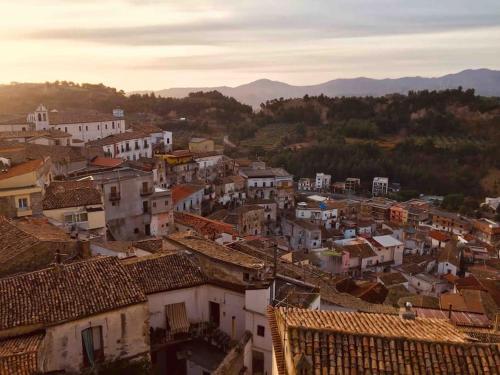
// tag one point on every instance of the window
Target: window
(39, 117)
(113, 125)
(65, 129)
(80, 128)
(86, 127)
(22, 202)
(98, 127)
(92, 345)
(105, 126)
(261, 330)
(136, 145)
(246, 276)
(44, 117)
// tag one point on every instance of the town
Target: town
(123, 250)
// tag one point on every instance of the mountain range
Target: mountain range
(485, 82)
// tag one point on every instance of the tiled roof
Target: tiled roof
(439, 236)
(180, 192)
(25, 151)
(358, 249)
(392, 278)
(119, 137)
(215, 251)
(357, 343)
(203, 225)
(61, 194)
(163, 272)
(53, 133)
(19, 355)
(20, 169)
(79, 117)
(106, 162)
(373, 324)
(18, 236)
(66, 292)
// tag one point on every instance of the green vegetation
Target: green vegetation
(444, 142)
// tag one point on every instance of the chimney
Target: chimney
(83, 249)
(407, 312)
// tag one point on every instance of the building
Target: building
(180, 167)
(130, 145)
(449, 259)
(133, 207)
(269, 183)
(214, 230)
(28, 243)
(450, 222)
(22, 187)
(79, 314)
(302, 234)
(248, 220)
(40, 137)
(352, 184)
(486, 230)
(323, 182)
(82, 125)
(361, 256)
(427, 285)
(201, 145)
(326, 213)
(439, 239)
(389, 250)
(210, 167)
(380, 186)
(305, 184)
(188, 198)
(76, 206)
(335, 342)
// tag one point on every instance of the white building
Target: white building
(380, 186)
(305, 184)
(83, 125)
(323, 181)
(79, 314)
(128, 145)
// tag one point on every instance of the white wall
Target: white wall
(125, 333)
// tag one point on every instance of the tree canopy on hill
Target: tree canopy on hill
(22, 98)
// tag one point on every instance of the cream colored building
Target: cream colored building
(22, 187)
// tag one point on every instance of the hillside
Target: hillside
(484, 81)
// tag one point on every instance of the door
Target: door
(214, 313)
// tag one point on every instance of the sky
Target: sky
(157, 44)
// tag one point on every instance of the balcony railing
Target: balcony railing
(146, 191)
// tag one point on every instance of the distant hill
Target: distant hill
(486, 82)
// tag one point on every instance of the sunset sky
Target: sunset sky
(155, 44)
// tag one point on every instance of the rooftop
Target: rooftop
(180, 192)
(66, 292)
(20, 169)
(217, 252)
(119, 137)
(63, 194)
(163, 272)
(203, 225)
(106, 162)
(19, 355)
(342, 343)
(387, 241)
(78, 117)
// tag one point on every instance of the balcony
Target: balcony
(146, 191)
(24, 211)
(114, 197)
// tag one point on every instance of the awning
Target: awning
(177, 319)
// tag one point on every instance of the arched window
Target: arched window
(44, 117)
(39, 117)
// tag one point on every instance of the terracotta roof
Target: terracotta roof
(439, 236)
(181, 153)
(163, 272)
(20, 169)
(459, 318)
(203, 225)
(19, 355)
(180, 192)
(19, 236)
(215, 251)
(327, 342)
(106, 162)
(358, 249)
(119, 137)
(66, 292)
(52, 133)
(392, 278)
(79, 117)
(25, 151)
(62, 194)
(449, 254)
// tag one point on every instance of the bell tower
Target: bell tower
(41, 118)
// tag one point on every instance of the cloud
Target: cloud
(281, 21)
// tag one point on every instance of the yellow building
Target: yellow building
(22, 187)
(200, 145)
(76, 205)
